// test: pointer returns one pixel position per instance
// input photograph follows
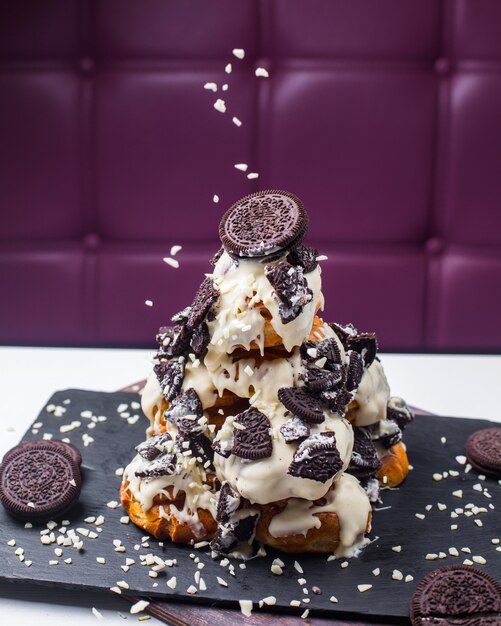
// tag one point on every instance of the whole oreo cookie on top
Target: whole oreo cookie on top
(263, 225)
(483, 449)
(40, 480)
(457, 594)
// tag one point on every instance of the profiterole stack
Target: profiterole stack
(267, 424)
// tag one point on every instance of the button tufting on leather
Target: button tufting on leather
(434, 246)
(86, 65)
(91, 241)
(443, 66)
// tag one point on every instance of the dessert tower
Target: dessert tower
(267, 424)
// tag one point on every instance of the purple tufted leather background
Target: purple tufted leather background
(385, 117)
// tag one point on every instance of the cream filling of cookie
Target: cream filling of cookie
(243, 288)
(371, 396)
(346, 498)
(266, 480)
(190, 478)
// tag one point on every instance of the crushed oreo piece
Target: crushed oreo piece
(254, 441)
(364, 461)
(294, 429)
(355, 370)
(317, 458)
(387, 432)
(153, 447)
(302, 403)
(327, 348)
(205, 298)
(316, 379)
(199, 444)
(337, 400)
(398, 411)
(291, 289)
(344, 332)
(223, 447)
(366, 345)
(185, 411)
(170, 377)
(305, 257)
(200, 340)
(174, 341)
(228, 502)
(165, 465)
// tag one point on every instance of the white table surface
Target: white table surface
(448, 385)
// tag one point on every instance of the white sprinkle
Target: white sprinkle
(429, 507)
(420, 515)
(409, 578)
(363, 588)
(220, 106)
(116, 590)
(243, 167)
(376, 571)
(28, 563)
(437, 476)
(441, 507)
(453, 551)
(72, 482)
(252, 175)
(458, 493)
(28, 525)
(83, 531)
(101, 560)
(276, 569)
(215, 198)
(228, 68)
(431, 556)
(239, 53)
(461, 459)
(53, 562)
(172, 582)
(298, 567)
(454, 526)
(19, 551)
(495, 541)
(262, 73)
(191, 589)
(221, 581)
(236, 121)
(321, 257)
(96, 613)
(397, 575)
(442, 555)
(172, 262)
(123, 584)
(397, 548)
(443, 440)
(248, 370)
(479, 559)
(478, 522)
(246, 607)
(58, 552)
(139, 606)
(211, 87)
(295, 603)
(305, 614)
(454, 473)
(466, 550)
(477, 487)
(11, 543)
(174, 250)
(112, 504)
(148, 302)
(125, 519)
(467, 562)
(333, 599)
(344, 564)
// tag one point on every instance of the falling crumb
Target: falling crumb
(239, 53)
(215, 198)
(243, 167)
(172, 262)
(252, 175)
(148, 303)
(321, 257)
(236, 121)
(262, 73)
(443, 440)
(97, 613)
(173, 251)
(139, 606)
(363, 588)
(220, 105)
(211, 87)
(228, 68)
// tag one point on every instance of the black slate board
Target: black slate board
(114, 440)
